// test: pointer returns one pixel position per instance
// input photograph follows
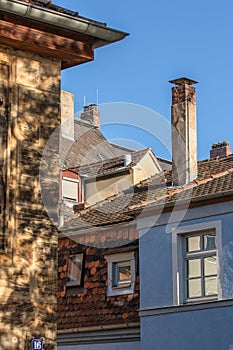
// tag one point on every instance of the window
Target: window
(70, 189)
(200, 266)
(75, 270)
(121, 273)
(197, 262)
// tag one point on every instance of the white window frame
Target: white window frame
(123, 259)
(71, 180)
(179, 282)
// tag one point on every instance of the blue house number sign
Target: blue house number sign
(36, 344)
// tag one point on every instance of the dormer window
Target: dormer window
(70, 189)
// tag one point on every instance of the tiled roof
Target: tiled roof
(89, 143)
(109, 166)
(215, 178)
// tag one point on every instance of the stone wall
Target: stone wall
(30, 88)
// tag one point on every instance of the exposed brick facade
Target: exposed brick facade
(89, 306)
(183, 93)
(220, 151)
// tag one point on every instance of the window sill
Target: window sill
(200, 300)
(119, 291)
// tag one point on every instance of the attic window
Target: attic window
(70, 189)
(102, 156)
(75, 270)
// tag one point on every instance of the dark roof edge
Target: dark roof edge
(103, 35)
(180, 204)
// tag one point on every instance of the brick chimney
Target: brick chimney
(221, 149)
(91, 115)
(184, 133)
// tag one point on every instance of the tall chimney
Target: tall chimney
(184, 134)
(91, 115)
(67, 114)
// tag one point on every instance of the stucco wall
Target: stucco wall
(209, 329)
(98, 190)
(166, 326)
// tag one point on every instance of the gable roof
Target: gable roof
(109, 166)
(88, 143)
(215, 180)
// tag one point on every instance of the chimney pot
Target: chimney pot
(220, 149)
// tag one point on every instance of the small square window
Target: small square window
(121, 273)
(75, 270)
(200, 266)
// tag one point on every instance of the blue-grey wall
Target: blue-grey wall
(208, 329)
(156, 268)
(156, 277)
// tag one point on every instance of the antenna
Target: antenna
(84, 101)
(97, 97)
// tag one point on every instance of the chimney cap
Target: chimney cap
(183, 81)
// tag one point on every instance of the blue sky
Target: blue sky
(168, 40)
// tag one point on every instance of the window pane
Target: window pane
(211, 286)
(69, 189)
(209, 242)
(193, 243)
(210, 264)
(194, 288)
(74, 274)
(121, 274)
(194, 268)
(124, 273)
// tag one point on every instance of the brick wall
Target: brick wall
(89, 305)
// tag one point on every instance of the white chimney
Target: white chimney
(127, 159)
(184, 131)
(67, 114)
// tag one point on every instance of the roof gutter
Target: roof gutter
(103, 35)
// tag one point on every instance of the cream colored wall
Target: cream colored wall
(146, 168)
(97, 191)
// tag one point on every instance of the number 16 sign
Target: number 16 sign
(36, 344)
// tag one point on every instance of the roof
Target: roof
(110, 166)
(121, 150)
(88, 145)
(49, 5)
(215, 179)
(44, 11)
